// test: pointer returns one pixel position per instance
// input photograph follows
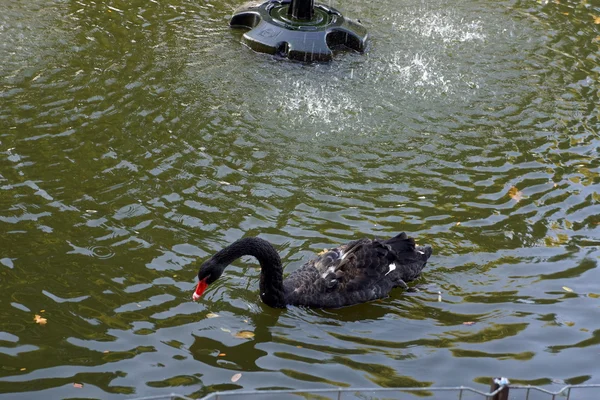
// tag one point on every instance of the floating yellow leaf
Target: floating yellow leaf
(222, 355)
(226, 330)
(567, 289)
(515, 194)
(106, 351)
(236, 377)
(42, 311)
(39, 320)
(244, 335)
(211, 315)
(597, 20)
(469, 323)
(22, 369)
(458, 223)
(78, 385)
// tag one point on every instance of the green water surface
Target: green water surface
(139, 137)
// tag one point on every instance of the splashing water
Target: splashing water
(449, 27)
(420, 71)
(312, 102)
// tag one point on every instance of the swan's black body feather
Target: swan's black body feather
(356, 272)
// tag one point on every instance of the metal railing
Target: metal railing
(497, 392)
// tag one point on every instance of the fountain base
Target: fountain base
(272, 30)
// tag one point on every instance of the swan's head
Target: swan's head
(209, 272)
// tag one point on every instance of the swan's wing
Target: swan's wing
(359, 271)
(329, 260)
(366, 263)
(315, 277)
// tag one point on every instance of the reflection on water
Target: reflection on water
(137, 139)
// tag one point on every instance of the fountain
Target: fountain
(298, 29)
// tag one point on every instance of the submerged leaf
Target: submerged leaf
(236, 377)
(244, 335)
(515, 194)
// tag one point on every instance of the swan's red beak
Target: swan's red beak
(202, 285)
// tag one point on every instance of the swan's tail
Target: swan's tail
(411, 259)
(426, 251)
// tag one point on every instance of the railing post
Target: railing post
(496, 383)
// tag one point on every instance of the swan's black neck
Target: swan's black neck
(271, 277)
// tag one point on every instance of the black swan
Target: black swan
(353, 273)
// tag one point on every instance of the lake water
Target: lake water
(137, 138)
